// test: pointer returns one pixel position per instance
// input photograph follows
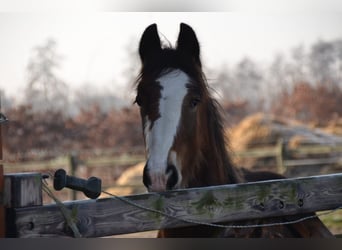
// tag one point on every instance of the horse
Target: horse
(184, 137)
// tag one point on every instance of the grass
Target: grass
(333, 221)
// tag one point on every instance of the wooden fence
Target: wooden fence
(2, 208)
(286, 158)
(27, 217)
(301, 156)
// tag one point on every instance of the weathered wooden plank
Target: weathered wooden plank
(22, 190)
(280, 156)
(316, 149)
(272, 151)
(227, 203)
(257, 152)
(310, 162)
(2, 206)
(98, 161)
(132, 159)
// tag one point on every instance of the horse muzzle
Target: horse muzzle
(160, 181)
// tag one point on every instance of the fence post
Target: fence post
(280, 156)
(73, 164)
(2, 195)
(2, 207)
(21, 190)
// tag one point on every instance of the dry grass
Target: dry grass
(247, 131)
(130, 182)
(334, 126)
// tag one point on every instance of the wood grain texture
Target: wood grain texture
(22, 190)
(228, 203)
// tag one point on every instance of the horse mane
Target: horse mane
(218, 138)
(214, 166)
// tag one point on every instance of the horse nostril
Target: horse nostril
(172, 179)
(155, 181)
(146, 177)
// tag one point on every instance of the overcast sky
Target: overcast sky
(93, 44)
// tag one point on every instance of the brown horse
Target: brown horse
(183, 132)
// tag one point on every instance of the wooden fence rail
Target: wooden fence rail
(100, 161)
(227, 203)
(284, 158)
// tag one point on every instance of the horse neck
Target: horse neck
(213, 164)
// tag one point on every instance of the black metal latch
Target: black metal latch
(91, 187)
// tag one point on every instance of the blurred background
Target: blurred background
(66, 86)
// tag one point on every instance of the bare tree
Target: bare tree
(88, 96)
(45, 90)
(222, 83)
(131, 69)
(5, 101)
(242, 82)
(249, 78)
(322, 58)
(319, 103)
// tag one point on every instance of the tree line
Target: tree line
(305, 84)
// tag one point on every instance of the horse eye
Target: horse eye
(138, 100)
(194, 102)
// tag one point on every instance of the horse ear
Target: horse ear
(149, 43)
(187, 43)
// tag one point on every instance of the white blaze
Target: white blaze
(160, 138)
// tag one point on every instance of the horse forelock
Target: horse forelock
(166, 61)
